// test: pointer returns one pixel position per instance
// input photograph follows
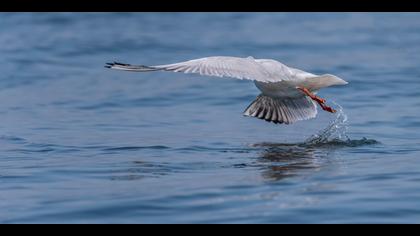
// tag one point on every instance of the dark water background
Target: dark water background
(83, 144)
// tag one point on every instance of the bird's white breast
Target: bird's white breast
(280, 89)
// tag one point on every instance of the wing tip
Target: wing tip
(114, 64)
(129, 67)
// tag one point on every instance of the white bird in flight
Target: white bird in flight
(287, 94)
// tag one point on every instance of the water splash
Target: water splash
(335, 134)
(337, 129)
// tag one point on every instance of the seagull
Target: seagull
(287, 94)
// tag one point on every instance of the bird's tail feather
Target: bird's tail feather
(281, 110)
(128, 67)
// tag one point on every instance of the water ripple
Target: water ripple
(134, 148)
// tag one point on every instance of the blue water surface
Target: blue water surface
(80, 143)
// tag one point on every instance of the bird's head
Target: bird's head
(323, 81)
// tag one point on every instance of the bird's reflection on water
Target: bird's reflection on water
(282, 160)
(279, 161)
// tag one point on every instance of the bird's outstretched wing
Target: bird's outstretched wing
(277, 68)
(220, 66)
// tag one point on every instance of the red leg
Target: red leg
(327, 108)
(319, 100)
